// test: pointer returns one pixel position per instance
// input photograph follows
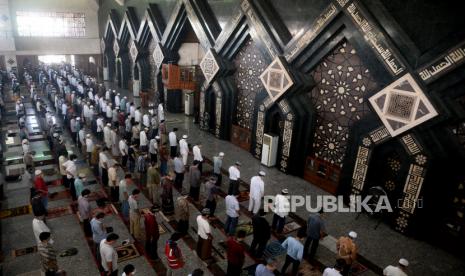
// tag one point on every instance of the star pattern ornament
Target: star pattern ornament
(209, 66)
(249, 65)
(276, 79)
(157, 54)
(133, 50)
(402, 105)
(116, 47)
(342, 83)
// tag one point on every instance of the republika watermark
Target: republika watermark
(329, 203)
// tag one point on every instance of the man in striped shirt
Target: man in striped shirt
(48, 255)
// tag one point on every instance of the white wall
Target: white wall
(190, 54)
(89, 44)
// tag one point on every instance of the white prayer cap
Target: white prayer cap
(284, 191)
(184, 136)
(157, 137)
(88, 136)
(108, 124)
(82, 175)
(221, 154)
(353, 234)
(403, 262)
(38, 172)
(262, 173)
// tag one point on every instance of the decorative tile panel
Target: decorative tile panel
(276, 79)
(153, 66)
(158, 55)
(209, 66)
(116, 47)
(133, 50)
(249, 64)
(402, 105)
(342, 83)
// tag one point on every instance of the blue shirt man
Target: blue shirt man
(295, 252)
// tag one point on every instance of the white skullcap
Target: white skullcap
(38, 172)
(184, 136)
(221, 154)
(403, 262)
(353, 234)
(262, 173)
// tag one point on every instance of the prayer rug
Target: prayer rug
(127, 252)
(17, 211)
(24, 251)
(358, 269)
(59, 195)
(290, 227)
(56, 182)
(59, 211)
(97, 194)
(307, 269)
(108, 209)
(248, 228)
(274, 249)
(243, 196)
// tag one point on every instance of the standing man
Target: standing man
(236, 255)
(113, 182)
(123, 149)
(85, 212)
(295, 251)
(194, 181)
(212, 194)
(204, 244)
(134, 214)
(100, 127)
(198, 155)
(184, 149)
(182, 214)
(143, 140)
(234, 175)
(257, 191)
(266, 270)
(281, 210)
(48, 255)
(399, 270)
(71, 173)
(347, 250)
(316, 230)
(179, 170)
(232, 212)
(79, 183)
(89, 147)
(261, 234)
(153, 183)
(103, 163)
(39, 226)
(107, 135)
(173, 142)
(153, 149)
(217, 163)
(98, 231)
(41, 188)
(108, 255)
(152, 234)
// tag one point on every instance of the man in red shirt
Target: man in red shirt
(236, 254)
(152, 234)
(41, 188)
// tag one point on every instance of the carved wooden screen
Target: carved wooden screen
(342, 84)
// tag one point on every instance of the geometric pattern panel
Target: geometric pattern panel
(209, 66)
(402, 105)
(116, 47)
(249, 64)
(342, 83)
(157, 54)
(276, 79)
(133, 50)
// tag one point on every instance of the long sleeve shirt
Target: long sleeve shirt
(257, 187)
(295, 248)
(197, 153)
